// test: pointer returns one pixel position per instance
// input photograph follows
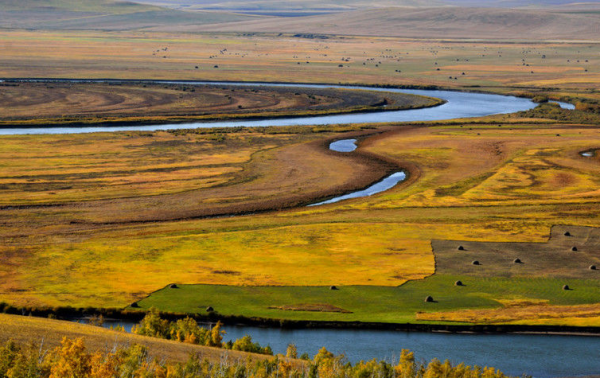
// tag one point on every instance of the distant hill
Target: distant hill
(303, 7)
(300, 7)
(100, 15)
(450, 22)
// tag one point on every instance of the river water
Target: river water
(458, 105)
(542, 356)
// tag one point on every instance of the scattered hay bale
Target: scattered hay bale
(461, 248)
(210, 309)
(475, 262)
(566, 287)
(574, 249)
(593, 267)
(567, 233)
(173, 286)
(517, 261)
(458, 283)
(429, 299)
(333, 288)
(135, 305)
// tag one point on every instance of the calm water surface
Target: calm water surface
(381, 186)
(564, 105)
(344, 145)
(458, 105)
(542, 356)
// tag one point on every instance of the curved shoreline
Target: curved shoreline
(458, 104)
(69, 313)
(117, 122)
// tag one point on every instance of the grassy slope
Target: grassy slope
(435, 23)
(24, 330)
(100, 15)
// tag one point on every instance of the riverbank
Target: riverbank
(48, 102)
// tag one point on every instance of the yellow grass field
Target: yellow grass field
(461, 186)
(104, 220)
(49, 333)
(270, 57)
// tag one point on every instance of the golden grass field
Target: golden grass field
(447, 197)
(103, 220)
(497, 66)
(25, 329)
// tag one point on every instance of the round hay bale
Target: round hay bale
(210, 309)
(567, 233)
(333, 288)
(593, 267)
(461, 248)
(173, 286)
(574, 249)
(476, 262)
(566, 287)
(135, 305)
(458, 283)
(517, 261)
(429, 299)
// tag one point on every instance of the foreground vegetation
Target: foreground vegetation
(72, 359)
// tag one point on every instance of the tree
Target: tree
(292, 351)
(216, 336)
(71, 360)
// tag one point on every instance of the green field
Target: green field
(372, 303)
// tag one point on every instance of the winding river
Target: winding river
(542, 356)
(458, 105)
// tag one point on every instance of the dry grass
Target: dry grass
(520, 312)
(88, 103)
(441, 22)
(129, 55)
(24, 330)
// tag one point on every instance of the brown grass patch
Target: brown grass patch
(317, 307)
(526, 311)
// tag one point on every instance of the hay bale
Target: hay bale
(461, 248)
(593, 267)
(135, 305)
(566, 287)
(517, 261)
(333, 288)
(574, 249)
(210, 309)
(458, 283)
(429, 299)
(476, 262)
(173, 286)
(567, 233)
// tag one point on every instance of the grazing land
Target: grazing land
(64, 103)
(108, 219)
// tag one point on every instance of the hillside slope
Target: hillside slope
(435, 23)
(101, 15)
(27, 329)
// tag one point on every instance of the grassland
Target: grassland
(104, 220)
(24, 330)
(493, 66)
(65, 103)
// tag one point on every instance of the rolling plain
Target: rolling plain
(105, 220)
